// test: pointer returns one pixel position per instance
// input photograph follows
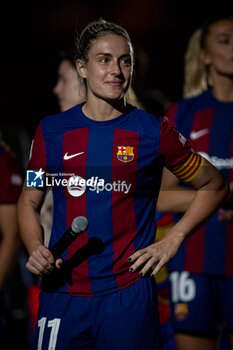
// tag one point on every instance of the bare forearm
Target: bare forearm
(212, 190)
(41, 260)
(200, 210)
(29, 227)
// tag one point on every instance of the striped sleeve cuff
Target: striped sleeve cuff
(188, 170)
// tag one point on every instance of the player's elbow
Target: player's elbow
(224, 188)
(210, 179)
(220, 186)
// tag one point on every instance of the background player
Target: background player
(69, 91)
(204, 264)
(124, 148)
(13, 317)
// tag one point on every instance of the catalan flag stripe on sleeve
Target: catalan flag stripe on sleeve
(188, 170)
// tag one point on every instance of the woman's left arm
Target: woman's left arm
(212, 189)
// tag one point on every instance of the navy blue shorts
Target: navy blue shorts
(201, 303)
(126, 319)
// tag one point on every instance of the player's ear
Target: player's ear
(204, 57)
(81, 68)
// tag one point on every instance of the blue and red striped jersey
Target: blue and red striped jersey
(209, 125)
(118, 165)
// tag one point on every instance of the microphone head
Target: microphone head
(79, 224)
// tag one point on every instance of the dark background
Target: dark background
(33, 32)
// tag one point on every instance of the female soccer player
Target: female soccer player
(68, 89)
(202, 271)
(115, 153)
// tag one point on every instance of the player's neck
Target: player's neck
(101, 110)
(223, 88)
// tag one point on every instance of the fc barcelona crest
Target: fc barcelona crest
(125, 154)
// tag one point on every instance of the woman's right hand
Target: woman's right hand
(42, 262)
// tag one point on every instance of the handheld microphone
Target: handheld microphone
(79, 225)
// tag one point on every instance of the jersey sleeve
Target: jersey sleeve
(10, 179)
(38, 157)
(171, 113)
(177, 153)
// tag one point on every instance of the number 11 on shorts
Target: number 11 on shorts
(54, 325)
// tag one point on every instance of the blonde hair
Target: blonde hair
(195, 71)
(132, 99)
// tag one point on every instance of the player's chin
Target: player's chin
(111, 96)
(114, 99)
(115, 95)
